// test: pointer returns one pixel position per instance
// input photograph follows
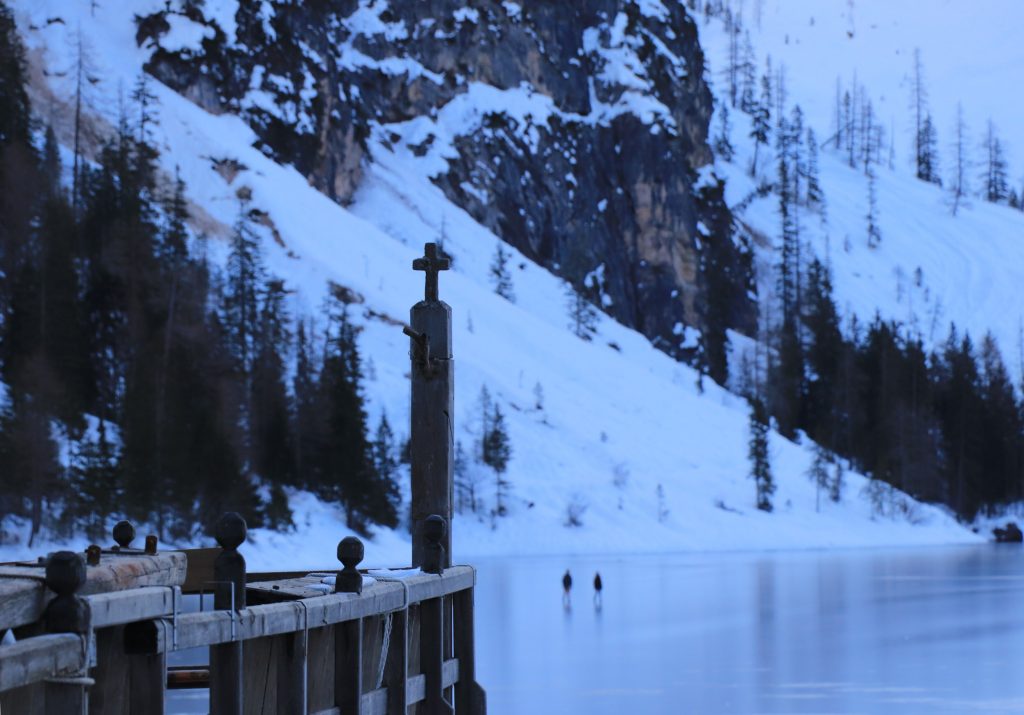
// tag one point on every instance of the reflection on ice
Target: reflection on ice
(873, 631)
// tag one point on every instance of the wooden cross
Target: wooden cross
(431, 264)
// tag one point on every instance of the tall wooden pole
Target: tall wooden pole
(433, 407)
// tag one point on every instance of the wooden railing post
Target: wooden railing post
(433, 406)
(348, 636)
(229, 577)
(470, 698)
(435, 639)
(125, 683)
(67, 613)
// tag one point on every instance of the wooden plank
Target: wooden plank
(148, 683)
(376, 701)
(288, 589)
(373, 646)
(23, 595)
(226, 680)
(29, 661)
(417, 685)
(427, 586)
(259, 679)
(396, 669)
(348, 666)
(186, 677)
(470, 698)
(320, 672)
(199, 574)
(292, 667)
(413, 643)
(109, 696)
(67, 698)
(215, 627)
(27, 700)
(432, 656)
(139, 604)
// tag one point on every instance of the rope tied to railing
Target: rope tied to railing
(388, 626)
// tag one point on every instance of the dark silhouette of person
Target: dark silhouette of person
(597, 588)
(566, 586)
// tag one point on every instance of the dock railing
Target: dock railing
(92, 633)
(94, 637)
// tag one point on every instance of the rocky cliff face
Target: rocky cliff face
(577, 132)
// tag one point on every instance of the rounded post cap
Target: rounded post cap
(350, 551)
(230, 530)
(65, 572)
(124, 533)
(434, 528)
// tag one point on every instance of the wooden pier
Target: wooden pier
(92, 631)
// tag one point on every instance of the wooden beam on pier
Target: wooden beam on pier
(23, 597)
(46, 656)
(213, 627)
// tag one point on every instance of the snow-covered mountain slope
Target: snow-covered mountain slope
(931, 268)
(614, 409)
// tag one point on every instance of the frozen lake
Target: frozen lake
(939, 630)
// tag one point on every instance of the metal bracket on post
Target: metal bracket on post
(420, 352)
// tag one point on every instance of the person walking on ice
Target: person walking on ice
(597, 589)
(566, 587)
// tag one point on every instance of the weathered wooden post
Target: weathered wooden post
(229, 575)
(67, 613)
(125, 682)
(348, 636)
(433, 407)
(435, 639)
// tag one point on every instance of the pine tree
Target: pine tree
(722, 145)
(748, 76)
(496, 452)
(760, 466)
(958, 185)
(582, 313)
(95, 480)
(849, 125)
(244, 278)
(347, 472)
(824, 355)
(996, 189)
(385, 460)
(500, 277)
(273, 450)
(923, 142)
(815, 194)
(308, 426)
(836, 483)
(819, 474)
(874, 233)
(761, 122)
(929, 158)
(788, 268)
(466, 481)
(15, 111)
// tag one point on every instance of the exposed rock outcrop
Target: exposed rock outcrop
(575, 131)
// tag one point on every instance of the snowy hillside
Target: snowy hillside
(931, 269)
(623, 433)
